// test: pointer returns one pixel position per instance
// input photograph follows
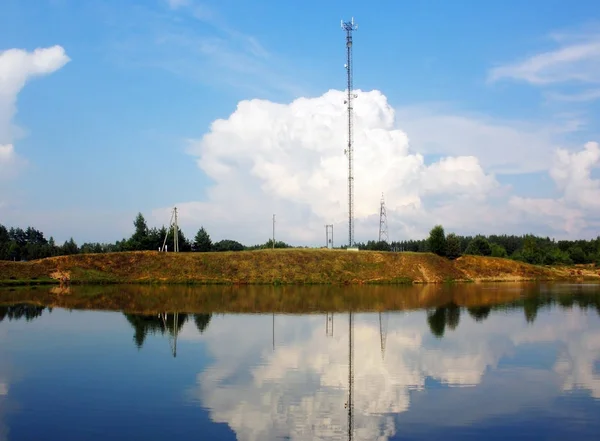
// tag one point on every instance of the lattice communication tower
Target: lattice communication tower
(349, 27)
(383, 226)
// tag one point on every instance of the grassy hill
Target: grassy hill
(285, 266)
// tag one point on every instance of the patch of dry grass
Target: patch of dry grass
(295, 266)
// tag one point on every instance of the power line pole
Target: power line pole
(273, 231)
(175, 232)
(349, 27)
(172, 224)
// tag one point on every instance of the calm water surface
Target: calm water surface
(505, 367)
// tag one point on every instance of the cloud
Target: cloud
(500, 146)
(551, 213)
(195, 41)
(10, 163)
(575, 60)
(586, 95)
(18, 66)
(289, 159)
(578, 208)
(572, 174)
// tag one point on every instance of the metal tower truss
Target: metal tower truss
(383, 226)
(349, 27)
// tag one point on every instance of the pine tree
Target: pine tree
(202, 241)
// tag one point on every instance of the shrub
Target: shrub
(437, 240)
(452, 246)
(498, 250)
(479, 246)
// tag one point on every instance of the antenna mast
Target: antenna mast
(383, 227)
(350, 26)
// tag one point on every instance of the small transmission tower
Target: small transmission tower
(172, 224)
(329, 236)
(383, 226)
(349, 27)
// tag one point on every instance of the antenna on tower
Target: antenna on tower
(350, 26)
(383, 227)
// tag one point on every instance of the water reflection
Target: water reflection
(164, 323)
(461, 366)
(301, 390)
(22, 310)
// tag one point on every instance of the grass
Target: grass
(279, 267)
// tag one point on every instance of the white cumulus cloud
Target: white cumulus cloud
(10, 163)
(572, 174)
(17, 66)
(289, 159)
(578, 208)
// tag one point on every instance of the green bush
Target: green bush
(498, 250)
(452, 246)
(437, 240)
(479, 246)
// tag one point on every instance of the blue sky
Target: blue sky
(125, 125)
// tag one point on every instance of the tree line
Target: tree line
(31, 244)
(527, 248)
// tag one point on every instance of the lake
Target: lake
(452, 362)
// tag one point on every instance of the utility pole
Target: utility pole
(175, 232)
(273, 231)
(172, 224)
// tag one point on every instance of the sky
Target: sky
(480, 116)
